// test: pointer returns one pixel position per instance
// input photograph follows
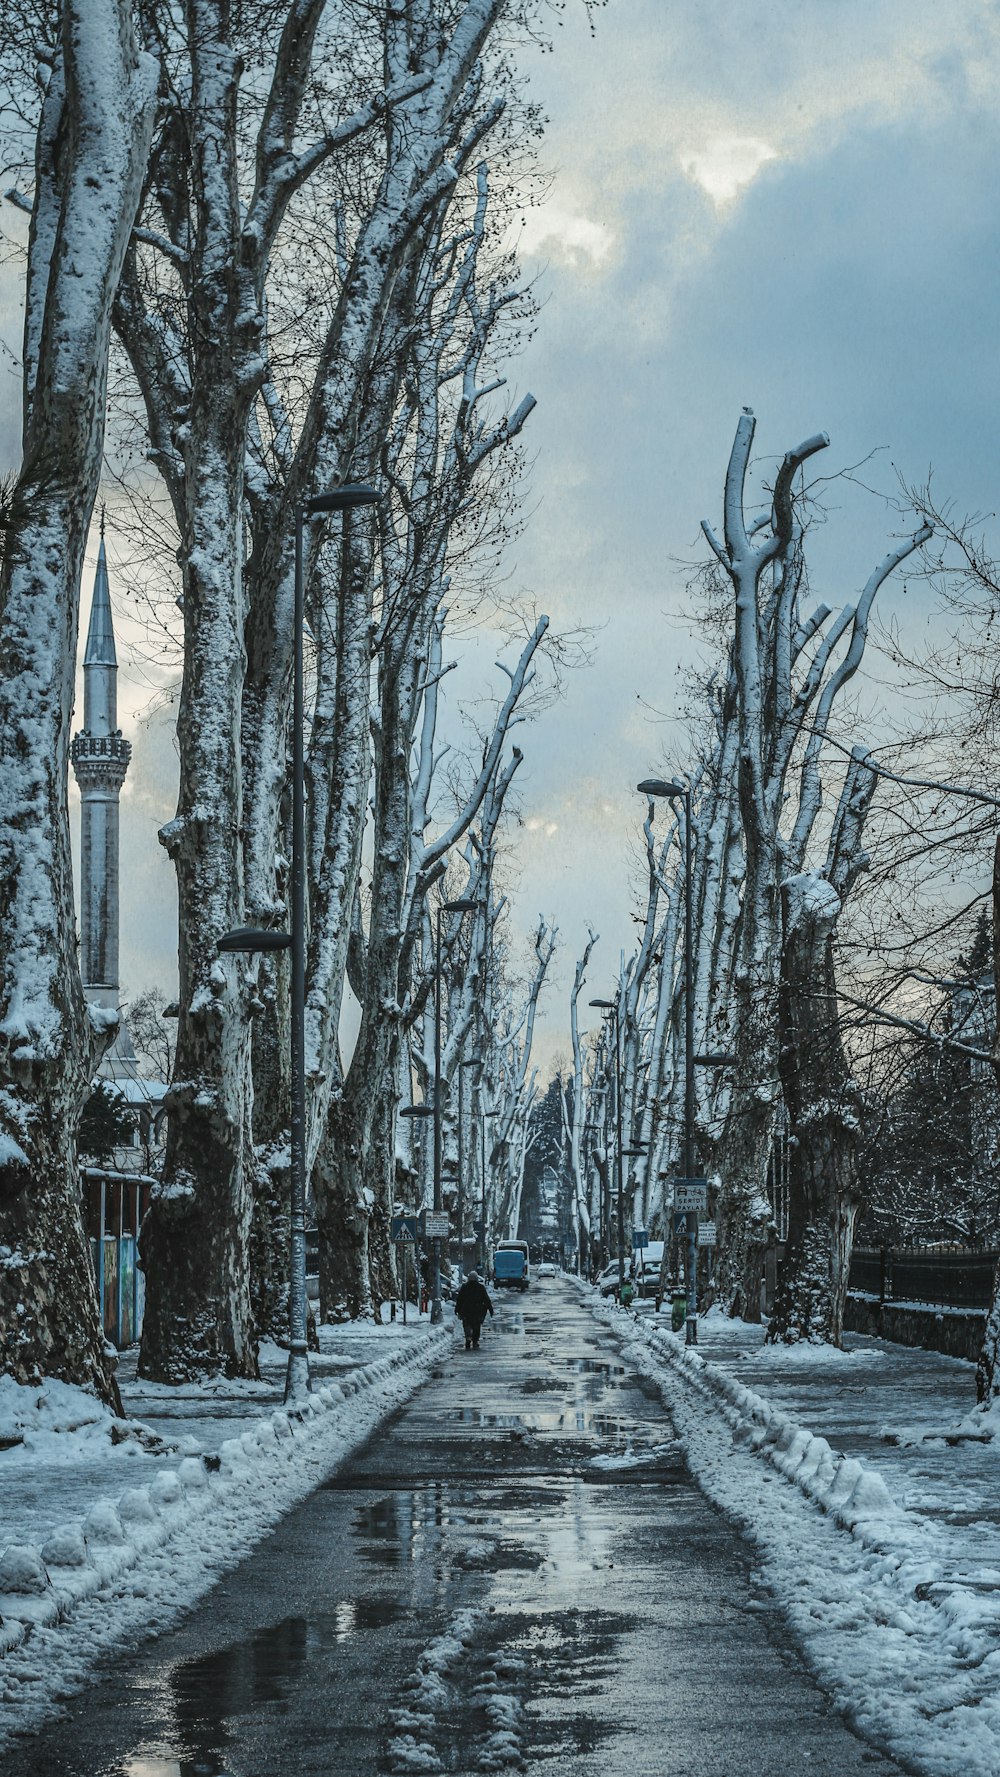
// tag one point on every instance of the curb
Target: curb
(842, 1486)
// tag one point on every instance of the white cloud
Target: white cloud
(557, 231)
(726, 165)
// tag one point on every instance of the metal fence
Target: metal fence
(943, 1277)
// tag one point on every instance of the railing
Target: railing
(943, 1277)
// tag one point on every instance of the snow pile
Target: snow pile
(501, 1748)
(429, 1697)
(905, 1638)
(434, 1706)
(51, 1419)
(130, 1565)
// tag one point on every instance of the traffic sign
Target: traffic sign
(680, 1224)
(640, 1238)
(706, 1234)
(404, 1227)
(436, 1224)
(691, 1194)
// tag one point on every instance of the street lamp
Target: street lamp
(473, 1061)
(341, 499)
(612, 1007)
(672, 790)
(465, 904)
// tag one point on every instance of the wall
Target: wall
(958, 1332)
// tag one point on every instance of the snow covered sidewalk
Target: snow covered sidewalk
(108, 1529)
(877, 1521)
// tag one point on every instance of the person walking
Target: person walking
(472, 1305)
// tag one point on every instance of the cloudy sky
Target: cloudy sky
(781, 206)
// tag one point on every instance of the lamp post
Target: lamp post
(465, 904)
(413, 1110)
(612, 1007)
(473, 1061)
(674, 791)
(486, 1118)
(246, 939)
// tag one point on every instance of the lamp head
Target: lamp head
(464, 904)
(341, 499)
(604, 1005)
(249, 939)
(669, 787)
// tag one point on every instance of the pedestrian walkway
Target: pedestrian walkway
(73, 1454)
(871, 1503)
(900, 1410)
(516, 1571)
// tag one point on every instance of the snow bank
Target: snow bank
(132, 1564)
(906, 1641)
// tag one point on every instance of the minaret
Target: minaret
(100, 760)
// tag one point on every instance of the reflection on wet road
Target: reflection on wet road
(515, 1573)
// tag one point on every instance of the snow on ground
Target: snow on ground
(111, 1528)
(879, 1536)
(436, 1705)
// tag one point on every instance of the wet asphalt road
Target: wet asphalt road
(618, 1631)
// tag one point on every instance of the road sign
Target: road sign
(691, 1194)
(706, 1234)
(680, 1224)
(640, 1239)
(436, 1224)
(404, 1227)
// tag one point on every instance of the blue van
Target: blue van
(511, 1265)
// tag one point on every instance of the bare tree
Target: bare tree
(92, 140)
(789, 671)
(821, 1095)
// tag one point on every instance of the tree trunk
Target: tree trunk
(743, 1211)
(196, 1238)
(988, 1366)
(824, 1109)
(270, 1252)
(342, 1209)
(92, 145)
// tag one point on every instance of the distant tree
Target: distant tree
(106, 1124)
(153, 1034)
(546, 1153)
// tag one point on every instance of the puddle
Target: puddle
(505, 1421)
(595, 1366)
(207, 1694)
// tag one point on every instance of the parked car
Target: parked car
(647, 1269)
(606, 1281)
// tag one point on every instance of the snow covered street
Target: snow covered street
(515, 1570)
(109, 1531)
(874, 1513)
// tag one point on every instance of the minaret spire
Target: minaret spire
(100, 758)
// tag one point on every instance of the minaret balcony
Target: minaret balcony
(100, 760)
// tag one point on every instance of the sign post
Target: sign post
(403, 1230)
(691, 1197)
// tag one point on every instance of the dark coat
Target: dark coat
(472, 1304)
